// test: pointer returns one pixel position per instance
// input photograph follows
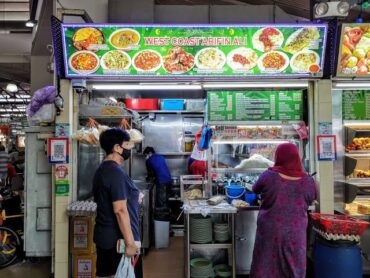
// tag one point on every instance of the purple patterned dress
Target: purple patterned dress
(280, 246)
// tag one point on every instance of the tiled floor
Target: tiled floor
(165, 263)
(27, 269)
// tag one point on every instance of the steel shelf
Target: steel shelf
(211, 246)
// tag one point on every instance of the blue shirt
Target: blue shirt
(111, 183)
(157, 164)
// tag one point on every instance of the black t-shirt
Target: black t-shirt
(111, 183)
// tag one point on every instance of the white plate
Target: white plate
(102, 63)
(131, 46)
(294, 35)
(264, 70)
(85, 72)
(218, 66)
(295, 69)
(151, 70)
(245, 52)
(257, 44)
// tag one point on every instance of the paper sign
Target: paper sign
(62, 130)
(326, 147)
(58, 150)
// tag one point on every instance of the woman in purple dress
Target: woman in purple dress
(286, 192)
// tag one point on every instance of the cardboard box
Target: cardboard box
(84, 266)
(81, 235)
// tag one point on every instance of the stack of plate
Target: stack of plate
(221, 231)
(222, 270)
(200, 229)
(201, 268)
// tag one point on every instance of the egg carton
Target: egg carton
(329, 236)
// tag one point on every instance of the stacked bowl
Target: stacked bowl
(201, 268)
(221, 231)
(222, 270)
(201, 229)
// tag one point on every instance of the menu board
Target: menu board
(180, 51)
(255, 105)
(356, 105)
(354, 53)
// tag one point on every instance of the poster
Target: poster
(62, 188)
(325, 128)
(58, 150)
(61, 130)
(326, 147)
(193, 51)
(354, 52)
(255, 105)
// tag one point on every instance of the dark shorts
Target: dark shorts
(107, 261)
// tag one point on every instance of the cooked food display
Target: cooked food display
(178, 61)
(147, 60)
(84, 37)
(260, 132)
(361, 173)
(355, 54)
(274, 61)
(301, 39)
(84, 62)
(304, 60)
(359, 144)
(124, 38)
(115, 60)
(267, 39)
(242, 59)
(210, 58)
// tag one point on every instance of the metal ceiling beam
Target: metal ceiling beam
(13, 77)
(14, 16)
(14, 7)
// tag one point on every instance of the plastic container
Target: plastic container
(338, 224)
(141, 103)
(234, 191)
(250, 198)
(172, 104)
(161, 234)
(195, 105)
(336, 261)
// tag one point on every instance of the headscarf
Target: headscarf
(288, 161)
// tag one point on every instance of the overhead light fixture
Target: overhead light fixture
(251, 142)
(11, 88)
(256, 85)
(102, 87)
(113, 99)
(31, 23)
(331, 9)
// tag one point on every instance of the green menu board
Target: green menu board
(193, 51)
(255, 105)
(356, 105)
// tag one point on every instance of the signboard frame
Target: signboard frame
(195, 76)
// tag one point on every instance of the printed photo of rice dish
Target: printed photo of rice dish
(242, 59)
(210, 58)
(178, 61)
(267, 39)
(304, 60)
(124, 39)
(147, 60)
(84, 62)
(273, 61)
(85, 37)
(115, 60)
(301, 39)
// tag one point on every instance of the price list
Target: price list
(356, 105)
(255, 105)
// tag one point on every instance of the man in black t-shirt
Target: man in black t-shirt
(117, 200)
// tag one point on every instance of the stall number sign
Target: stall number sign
(177, 51)
(84, 268)
(255, 105)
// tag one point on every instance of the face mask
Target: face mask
(125, 154)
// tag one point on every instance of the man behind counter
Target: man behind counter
(157, 168)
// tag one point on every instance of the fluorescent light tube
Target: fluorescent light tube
(251, 142)
(113, 99)
(256, 85)
(352, 85)
(146, 87)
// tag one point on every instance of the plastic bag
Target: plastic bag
(125, 268)
(45, 95)
(135, 135)
(90, 134)
(44, 115)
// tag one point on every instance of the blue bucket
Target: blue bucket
(234, 191)
(250, 198)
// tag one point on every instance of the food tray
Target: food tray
(338, 224)
(363, 207)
